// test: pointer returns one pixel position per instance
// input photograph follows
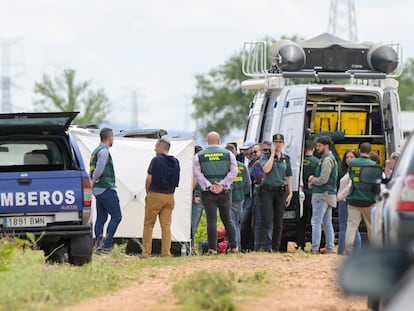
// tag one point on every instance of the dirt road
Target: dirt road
(295, 282)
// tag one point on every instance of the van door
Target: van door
(392, 124)
(292, 127)
(255, 117)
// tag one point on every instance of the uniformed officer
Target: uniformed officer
(215, 168)
(361, 197)
(276, 194)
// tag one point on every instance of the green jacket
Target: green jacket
(107, 179)
(310, 162)
(330, 186)
(241, 184)
(214, 163)
(280, 170)
(360, 194)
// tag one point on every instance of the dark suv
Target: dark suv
(44, 187)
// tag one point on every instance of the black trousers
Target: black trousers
(304, 221)
(272, 207)
(222, 201)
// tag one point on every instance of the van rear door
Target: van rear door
(292, 127)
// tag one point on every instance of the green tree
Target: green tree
(406, 85)
(62, 93)
(220, 104)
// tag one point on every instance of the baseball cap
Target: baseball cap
(247, 145)
(278, 137)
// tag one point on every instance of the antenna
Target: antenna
(342, 19)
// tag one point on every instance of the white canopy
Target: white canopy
(131, 158)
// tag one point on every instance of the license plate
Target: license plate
(24, 221)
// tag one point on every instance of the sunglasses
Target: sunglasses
(266, 150)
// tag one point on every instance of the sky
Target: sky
(153, 49)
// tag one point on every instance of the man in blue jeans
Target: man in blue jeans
(323, 185)
(240, 188)
(103, 183)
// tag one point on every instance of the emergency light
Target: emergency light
(331, 54)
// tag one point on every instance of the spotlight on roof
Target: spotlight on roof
(287, 55)
(382, 58)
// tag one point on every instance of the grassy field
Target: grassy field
(29, 283)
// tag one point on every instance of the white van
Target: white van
(323, 86)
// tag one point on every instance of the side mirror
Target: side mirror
(371, 175)
(374, 272)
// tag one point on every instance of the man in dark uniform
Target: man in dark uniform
(310, 162)
(215, 168)
(275, 194)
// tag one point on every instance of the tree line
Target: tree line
(219, 102)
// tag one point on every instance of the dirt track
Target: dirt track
(296, 282)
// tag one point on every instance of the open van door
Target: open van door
(292, 123)
(392, 123)
(254, 125)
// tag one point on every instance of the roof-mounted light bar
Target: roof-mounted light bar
(325, 57)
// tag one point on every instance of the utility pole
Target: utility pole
(342, 19)
(6, 80)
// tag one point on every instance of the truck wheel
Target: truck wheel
(80, 260)
(80, 250)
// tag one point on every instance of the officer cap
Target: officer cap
(278, 137)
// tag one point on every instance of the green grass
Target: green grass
(217, 291)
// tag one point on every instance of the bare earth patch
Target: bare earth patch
(295, 282)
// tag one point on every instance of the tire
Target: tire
(80, 250)
(80, 260)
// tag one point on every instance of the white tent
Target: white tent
(131, 158)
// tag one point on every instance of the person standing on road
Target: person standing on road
(102, 176)
(257, 179)
(163, 176)
(196, 207)
(275, 195)
(361, 197)
(239, 189)
(246, 231)
(215, 169)
(310, 162)
(324, 188)
(343, 190)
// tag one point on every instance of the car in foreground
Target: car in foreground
(384, 274)
(393, 216)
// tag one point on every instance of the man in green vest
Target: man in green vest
(240, 188)
(103, 183)
(361, 197)
(215, 168)
(324, 187)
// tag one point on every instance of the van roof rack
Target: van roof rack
(324, 57)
